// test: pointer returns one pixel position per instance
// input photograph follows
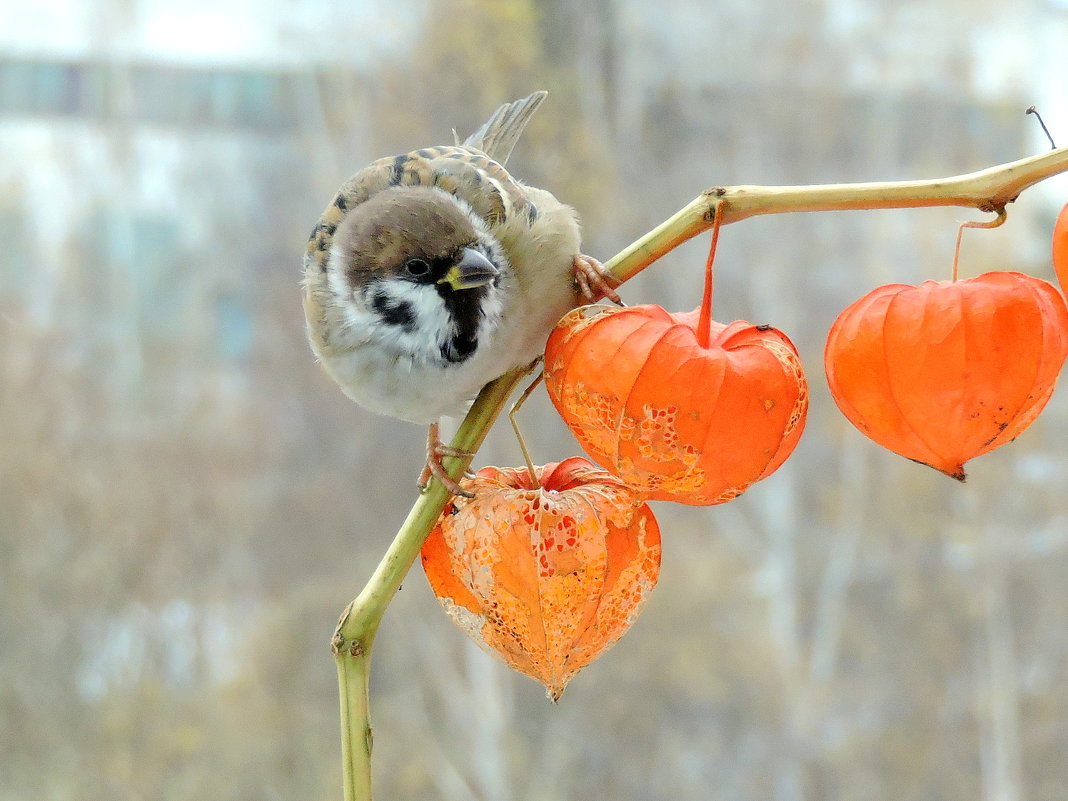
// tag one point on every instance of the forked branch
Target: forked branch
(987, 190)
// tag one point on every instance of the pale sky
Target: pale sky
(209, 32)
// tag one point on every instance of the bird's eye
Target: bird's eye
(417, 268)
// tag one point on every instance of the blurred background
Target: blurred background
(187, 502)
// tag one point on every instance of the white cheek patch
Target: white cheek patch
(422, 303)
(363, 323)
(420, 325)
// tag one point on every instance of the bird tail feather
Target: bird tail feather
(497, 136)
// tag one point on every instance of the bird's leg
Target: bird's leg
(594, 281)
(436, 450)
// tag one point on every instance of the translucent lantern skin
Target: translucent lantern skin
(678, 421)
(946, 371)
(545, 578)
(1060, 248)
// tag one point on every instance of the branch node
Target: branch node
(715, 194)
(997, 207)
(337, 641)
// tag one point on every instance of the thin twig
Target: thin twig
(513, 417)
(1045, 130)
(998, 221)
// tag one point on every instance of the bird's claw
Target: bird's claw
(594, 281)
(436, 450)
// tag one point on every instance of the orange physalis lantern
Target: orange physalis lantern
(948, 370)
(680, 420)
(1060, 248)
(546, 577)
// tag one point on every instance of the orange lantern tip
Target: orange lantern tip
(953, 472)
(958, 474)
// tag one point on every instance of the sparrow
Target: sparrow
(434, 272)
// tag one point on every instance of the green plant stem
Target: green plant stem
(987, 190)
(354, 636)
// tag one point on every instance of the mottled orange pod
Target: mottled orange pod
(546, 577)
(948, 370)
(680, 420)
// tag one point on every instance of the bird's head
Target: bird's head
(415, 267)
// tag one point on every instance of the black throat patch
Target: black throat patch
(465, 307)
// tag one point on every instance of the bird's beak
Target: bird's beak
(473, 270)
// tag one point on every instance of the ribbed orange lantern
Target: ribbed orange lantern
(1060, 248)
(546, 577)
(948, 370)
(680, 419)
